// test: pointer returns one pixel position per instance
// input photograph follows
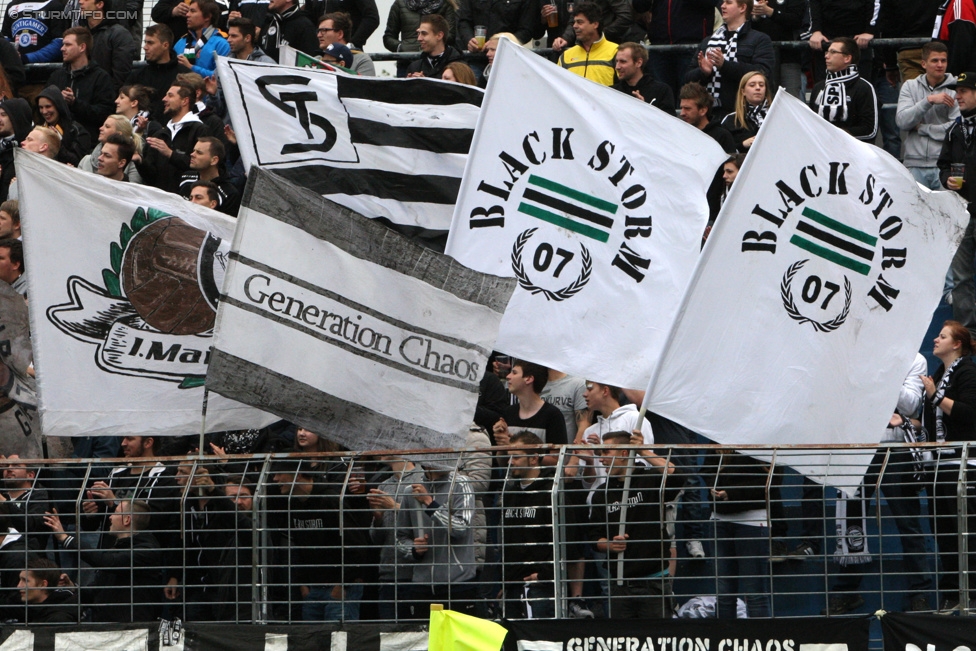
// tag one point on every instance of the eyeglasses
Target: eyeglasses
(323, 30)
(836, 52)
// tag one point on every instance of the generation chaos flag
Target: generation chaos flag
(816, 285)
(123, 288)
(18, 401)
(386, 148)
(595, 202)
(343, 326)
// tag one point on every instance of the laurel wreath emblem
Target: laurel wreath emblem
(786, 293)
(523, 278)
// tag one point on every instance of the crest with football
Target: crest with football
(171, 272)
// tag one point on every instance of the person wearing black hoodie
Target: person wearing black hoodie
(160, 70)
(54, 113)
(15, 124)
(287, 23)
(86, 87)
(44, 602)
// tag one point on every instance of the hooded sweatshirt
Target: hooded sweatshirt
(75, 141)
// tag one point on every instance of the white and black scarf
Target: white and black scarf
(940, 434)
(832, 101)
(275, 36)
(851, 520)
(756, 114)
(727, 41)
(968, 128)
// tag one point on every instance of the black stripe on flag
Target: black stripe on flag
(432, 139)
(422, 188)
(830, 238)
(414, 91)
(568, 208)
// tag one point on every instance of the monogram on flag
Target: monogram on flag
(322, 307)
(389, 148)
(823, 269)
(595, 202)
(123, 301)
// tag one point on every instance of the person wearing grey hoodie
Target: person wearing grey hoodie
(926, 111)
(15, 124)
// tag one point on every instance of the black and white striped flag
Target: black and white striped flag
(386, 148)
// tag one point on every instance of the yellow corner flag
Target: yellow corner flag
(453, 631)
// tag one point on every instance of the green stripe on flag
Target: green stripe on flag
(552, 218)
(573, 194)
(824, 220)
(832, 256)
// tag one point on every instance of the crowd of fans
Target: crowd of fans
(384, 536)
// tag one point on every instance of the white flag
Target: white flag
(817, 283)
(595, 202)
(123, 281)
(344, 326)
(18, 400)
(390, 148)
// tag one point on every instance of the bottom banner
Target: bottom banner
(800, 634)
(911, 632)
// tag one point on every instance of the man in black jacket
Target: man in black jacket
(519, 17)
(832, 19)
(634, 80)
(28, 501)
(14, 557)
(161, 67)
(113, 47)
(87, 89)
(168, 157)
(365, 17)
(845, 99)
(432, 35)
(731, 51)
(44, 602)
(287, 24)
(16, 121)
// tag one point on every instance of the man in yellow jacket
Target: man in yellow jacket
(593, 55)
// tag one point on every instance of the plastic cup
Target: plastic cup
(480, 33)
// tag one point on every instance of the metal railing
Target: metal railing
(267, 539)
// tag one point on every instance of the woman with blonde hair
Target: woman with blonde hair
(751, 104)
(120, 124)
(491, 45)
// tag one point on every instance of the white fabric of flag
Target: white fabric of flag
(595, 202)
(815, 287)
(123, 289)
(343, 326)
(386, 148)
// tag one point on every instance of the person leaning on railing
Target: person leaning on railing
(950, 417)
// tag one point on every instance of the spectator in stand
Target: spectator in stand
(459, 72)
(171, 14)
(45, 602)
(168, 156)
(675, 22)
(28, 501)
(113, 47)
(242, 38)
(160, 70)
(115, 156)
(15, 124)
(115, 124)
(958, 149)
(907, 19)
(12, 71)
(15, 555)
(751, 105)
(386, 500)
(643, 590)
(728, 54)
(255, 11)
(950, 412)
(404, 20)
(833, 19)
(926, 112)
(517, 16)
(716, 197)
(695, 103)
(207, 164)
(437, 52)
(239, 489)
(134, 103)
(526, 531)
(86, 88)
(526, 381)
(333, 29)
(201, 90)
(845, 99)
(616, 24)
(128, 568)
(364, 15)
(204, 193)
(594, 55)
(634, 80)
(566, 393)
(338, 55)
(287, 24)
(958, 31)
(10, 219)
(55, 114)
(730, 172)
(203, 41)
(780, 21)
(491, 46)
(35, 29)
(563, 21)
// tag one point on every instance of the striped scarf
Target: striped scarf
(727, 41)
(832, 100)
(756, 114)
(940, 434)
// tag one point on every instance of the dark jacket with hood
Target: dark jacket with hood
(94, 94)
(114, 49)
(19, 112)
(291, 26)
(159, 77)
(76, 142)
(60, 607)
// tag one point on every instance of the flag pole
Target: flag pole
(626, 495)
(203, 422)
